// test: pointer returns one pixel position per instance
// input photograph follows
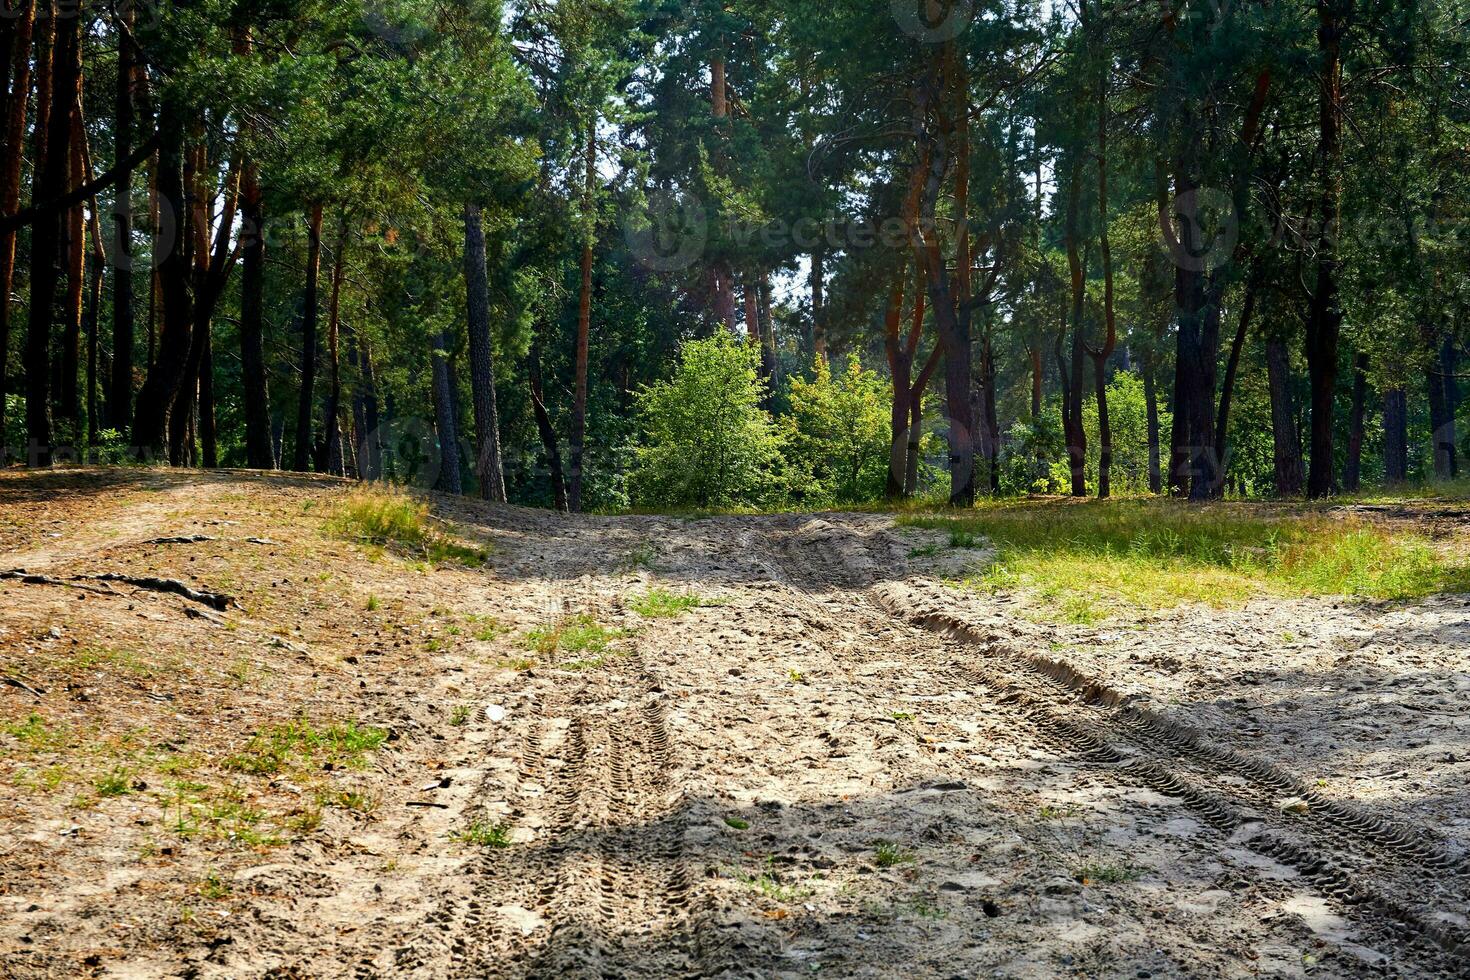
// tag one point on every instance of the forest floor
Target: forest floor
(796, 745)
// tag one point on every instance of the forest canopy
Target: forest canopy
(612, 254)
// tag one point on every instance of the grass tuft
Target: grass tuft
(483, 833)
(663, 604)
(392, 518)
(574, 634)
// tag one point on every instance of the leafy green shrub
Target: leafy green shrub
(839, 434)
(706, 440)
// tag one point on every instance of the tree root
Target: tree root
(214, 600)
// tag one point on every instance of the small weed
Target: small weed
(373, 604)
(356, 800)
(1094, 872)
(304, 821)
(36, 733)
(737, 823)
(795, 676)
(769, 884)
(115, 783)
(383, 518)
(888, 854)
(460, 716)
(271, 750)
(213, 887)
(903, 716)
(663, 604)
(482, 833)
(642, 557)
(1048, 812)
(590, 664)
(516, 663)
(924, 551)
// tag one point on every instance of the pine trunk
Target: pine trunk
(1395, 436)
(444, 417)
(120, 399)
(1285, 438)
(11, 159)
(1352, 476)
(259, 454)
(301, 460)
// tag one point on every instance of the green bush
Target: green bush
(838, 434)
(706, 440)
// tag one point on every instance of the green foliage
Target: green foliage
(575, 634)
(837, 447)
(483, 833)
(706, 440)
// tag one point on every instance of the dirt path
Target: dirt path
(834, 765)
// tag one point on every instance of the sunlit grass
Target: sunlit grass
(663, 604)
(1085, 562)
(391, 518)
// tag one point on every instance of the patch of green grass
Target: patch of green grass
(36, 733)
(737, 823)
(588, 664)
(1089, 561)
(373, 603)
(356, 800)
(770, 884)
(384, 518)
(924, 551)
(902, 716)
(460, 716)
(1094, 872)
(117, 782)
(483, 833)
(663, 604)
(960, 537)
(889, 854)
(575, 634)
(271, 750)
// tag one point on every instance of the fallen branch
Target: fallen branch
(182, 539)
(17, 682)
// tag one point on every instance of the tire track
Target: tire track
(1350, 854)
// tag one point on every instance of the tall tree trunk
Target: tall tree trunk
(1324, 318)
(1395, 436)
(370, 446)
(1073, 429)
(259, 454)
(1448, 368)
(489, 473)
(725, 303)
(544, 427)
(332, 414)
(817, 282)
(48, 234)
(900, 368)
(208, 441)
(770, 363)
(11, 159)
(990, 421)
(68, 401)
(1110, 343)
(444, 417)
(1352, 476)
(169, 367)
(1286, 440)
(96, 271)
(1438, 378)
(1227, 389)
(306, 402)
(1151, 406)
(120, 399)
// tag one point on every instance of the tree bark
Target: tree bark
(332, 454)
(306, 402)
(1227, 389)
(444, 417)
(1395, 436)
(725, 301)
(1352, 476)
(370, 444)
(1324, 318)
(169, 367)
(489, 473)
(10, 173)
(68, 402)
(1073, 429)
(900, 369)
(120, 400)
(48, 234)
(1286, 440)
(1151, 406)
(545, 429)
(1448, 367)
(254, 384)
(1438, 377)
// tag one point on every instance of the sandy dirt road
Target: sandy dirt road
(838, 765)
